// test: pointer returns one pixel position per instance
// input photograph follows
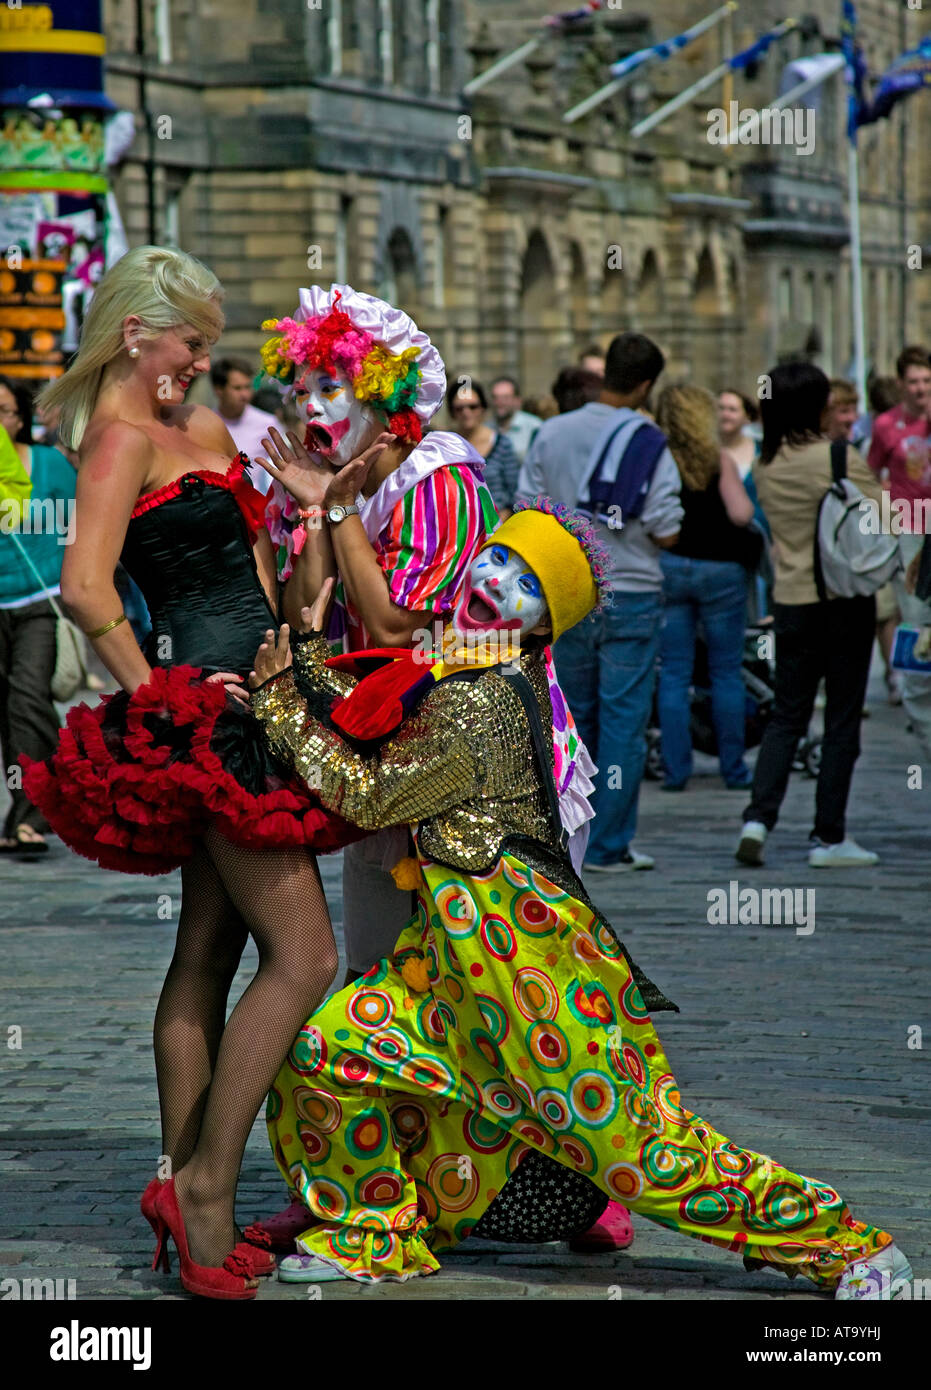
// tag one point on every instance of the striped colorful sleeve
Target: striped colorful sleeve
(433, 532)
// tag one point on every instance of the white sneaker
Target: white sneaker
(886, 1275)
(752, 839)
(307, 1269)
(629, 861)
(846, 855)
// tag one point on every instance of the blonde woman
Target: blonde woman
(171, 770)
(704, 581)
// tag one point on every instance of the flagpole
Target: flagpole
(856, 258)
(656, 117)
(698, 87)
(509, 60)
(616, 83)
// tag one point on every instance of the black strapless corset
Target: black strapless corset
(137, 780)
(189, 549)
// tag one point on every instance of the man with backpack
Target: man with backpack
(608, 460)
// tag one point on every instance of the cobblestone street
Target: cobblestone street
(800, 1045)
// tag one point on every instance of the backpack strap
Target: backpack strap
(838, 459)
(838, 474)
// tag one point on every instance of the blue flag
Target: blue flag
(856, 69)
(894, 86)
(909, 73)
(756, 50)
(663, 50)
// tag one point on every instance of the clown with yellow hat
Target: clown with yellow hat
(499, 1073)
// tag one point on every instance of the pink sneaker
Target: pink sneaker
(280, 1232)
(613, 1231)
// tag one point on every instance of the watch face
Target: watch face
(336, 513)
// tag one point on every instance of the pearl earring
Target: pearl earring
(134, 352)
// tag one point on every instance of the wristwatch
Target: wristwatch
(339, 513)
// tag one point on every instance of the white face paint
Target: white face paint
(339, 427)
(501, 593)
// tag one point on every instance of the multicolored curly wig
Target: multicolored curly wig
(387, 382)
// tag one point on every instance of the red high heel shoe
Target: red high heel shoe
(208, 1281)
(263, 1262)
(147, 1207)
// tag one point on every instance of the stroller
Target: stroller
(757, 669)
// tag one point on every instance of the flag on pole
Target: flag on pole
(909, 73)
(663, 50)
(893, 88)
(856, 69)
(805, 70)
(566, 18)
(758, 50)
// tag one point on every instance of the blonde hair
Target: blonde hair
(166, 289)
(687, 415)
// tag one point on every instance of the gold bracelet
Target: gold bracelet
(107, 627)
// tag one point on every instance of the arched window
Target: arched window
(784, 298)
(807, 311)
(444, 257)
(649, 289)
(539, 315)
(398, 281)
(344, 272)
(578, 296)
(705, 288)
(828, 324)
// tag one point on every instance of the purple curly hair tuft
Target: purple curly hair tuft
(581, 527)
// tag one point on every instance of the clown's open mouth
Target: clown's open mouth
(480, 611)
(318, 439)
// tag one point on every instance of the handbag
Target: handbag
(70, 674)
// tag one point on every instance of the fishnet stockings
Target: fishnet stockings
(213, 1080)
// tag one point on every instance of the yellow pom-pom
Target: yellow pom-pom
(406, 874)
(415, 974)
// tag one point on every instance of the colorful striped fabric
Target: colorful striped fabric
(428, 543)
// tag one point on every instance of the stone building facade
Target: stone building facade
(287, 141)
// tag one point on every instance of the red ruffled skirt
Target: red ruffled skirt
(137, 779)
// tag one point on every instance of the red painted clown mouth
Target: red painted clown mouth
(317, 439)
(325, 439)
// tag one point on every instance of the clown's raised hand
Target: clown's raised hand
(272, 657)
(296, 468)
(346, 485)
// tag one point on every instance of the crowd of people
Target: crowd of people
(708, 534)
(278, 706)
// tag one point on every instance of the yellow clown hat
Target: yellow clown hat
(561, 548)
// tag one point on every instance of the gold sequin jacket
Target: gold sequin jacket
(461, 769)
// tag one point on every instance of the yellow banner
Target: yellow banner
(53, 41)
